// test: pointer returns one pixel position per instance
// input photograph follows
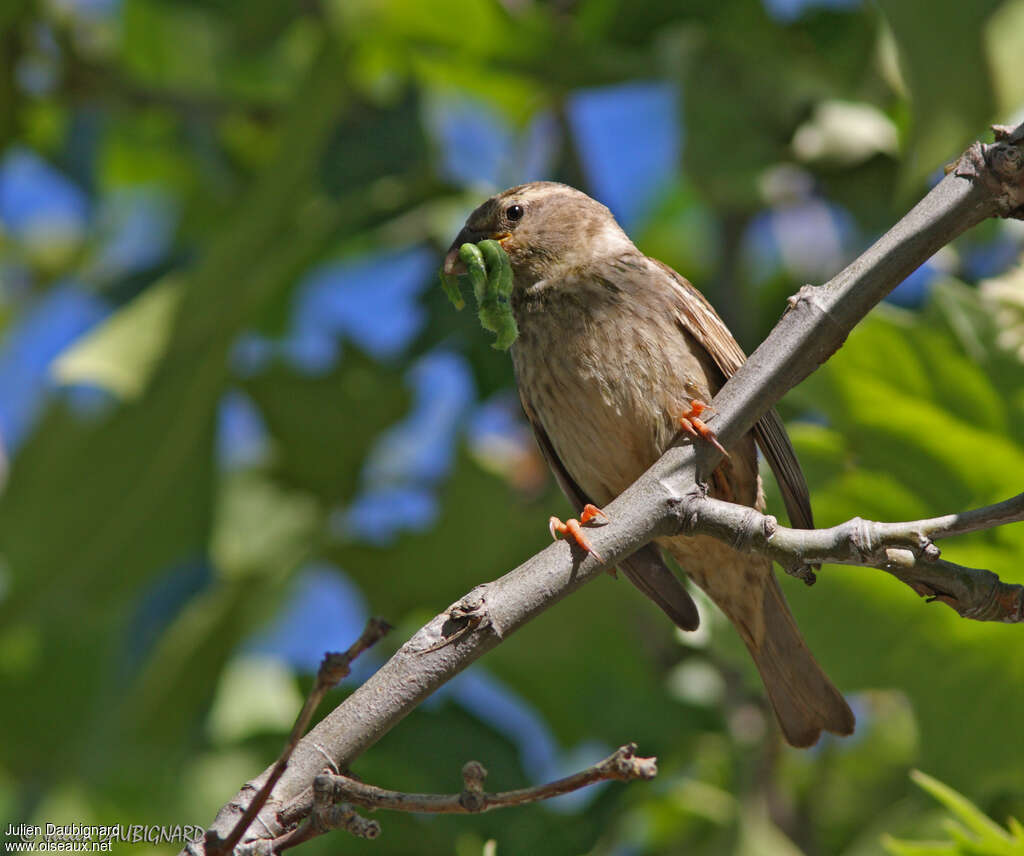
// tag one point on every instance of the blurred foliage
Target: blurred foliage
(972, 833)
(135, 562)
(907, 413)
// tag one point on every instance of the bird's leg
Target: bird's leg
(693, 425)
(573, 528)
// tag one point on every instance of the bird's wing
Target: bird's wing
(700, 320)
(774, 442)
(645, 568)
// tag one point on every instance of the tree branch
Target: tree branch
(622, 765)
(332, 795)
(988, 181)
(334, 668)
(905, 550)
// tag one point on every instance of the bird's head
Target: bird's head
(547, 229)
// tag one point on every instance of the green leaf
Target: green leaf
(1004, 33)
(946, 69)
(152, 33)
(262, 533)
(322, 426)
(94, 509)
(916, 429)
(375, 147)
(126, 498)
(988, 832)
(911, 848)
(481, 26)
(979, 835)
(121, 354)
(744, 69)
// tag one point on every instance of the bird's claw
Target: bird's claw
(573, 528)
(693, 425)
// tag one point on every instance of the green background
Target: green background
(295, 133)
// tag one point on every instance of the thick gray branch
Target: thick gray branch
(988, 181)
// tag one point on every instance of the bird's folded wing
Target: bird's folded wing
(774, 442)
(700, 320)
(645, 568)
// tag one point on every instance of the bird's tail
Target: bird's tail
(745, 589)
(804, 699)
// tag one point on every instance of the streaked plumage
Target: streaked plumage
(612, 348)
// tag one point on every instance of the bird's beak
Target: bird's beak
(452, 263)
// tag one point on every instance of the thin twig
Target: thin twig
(325, 817)
(334, 668)
(622, 765)
(334, 794)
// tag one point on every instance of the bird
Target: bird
(616, 354)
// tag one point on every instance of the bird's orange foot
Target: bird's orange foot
(693, 425)
(574, 528)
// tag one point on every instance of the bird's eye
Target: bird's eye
(514, 212)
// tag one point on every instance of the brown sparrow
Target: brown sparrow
(617, 352)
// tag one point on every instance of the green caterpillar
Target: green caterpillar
(491, 275)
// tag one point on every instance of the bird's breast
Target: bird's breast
(607, 373)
